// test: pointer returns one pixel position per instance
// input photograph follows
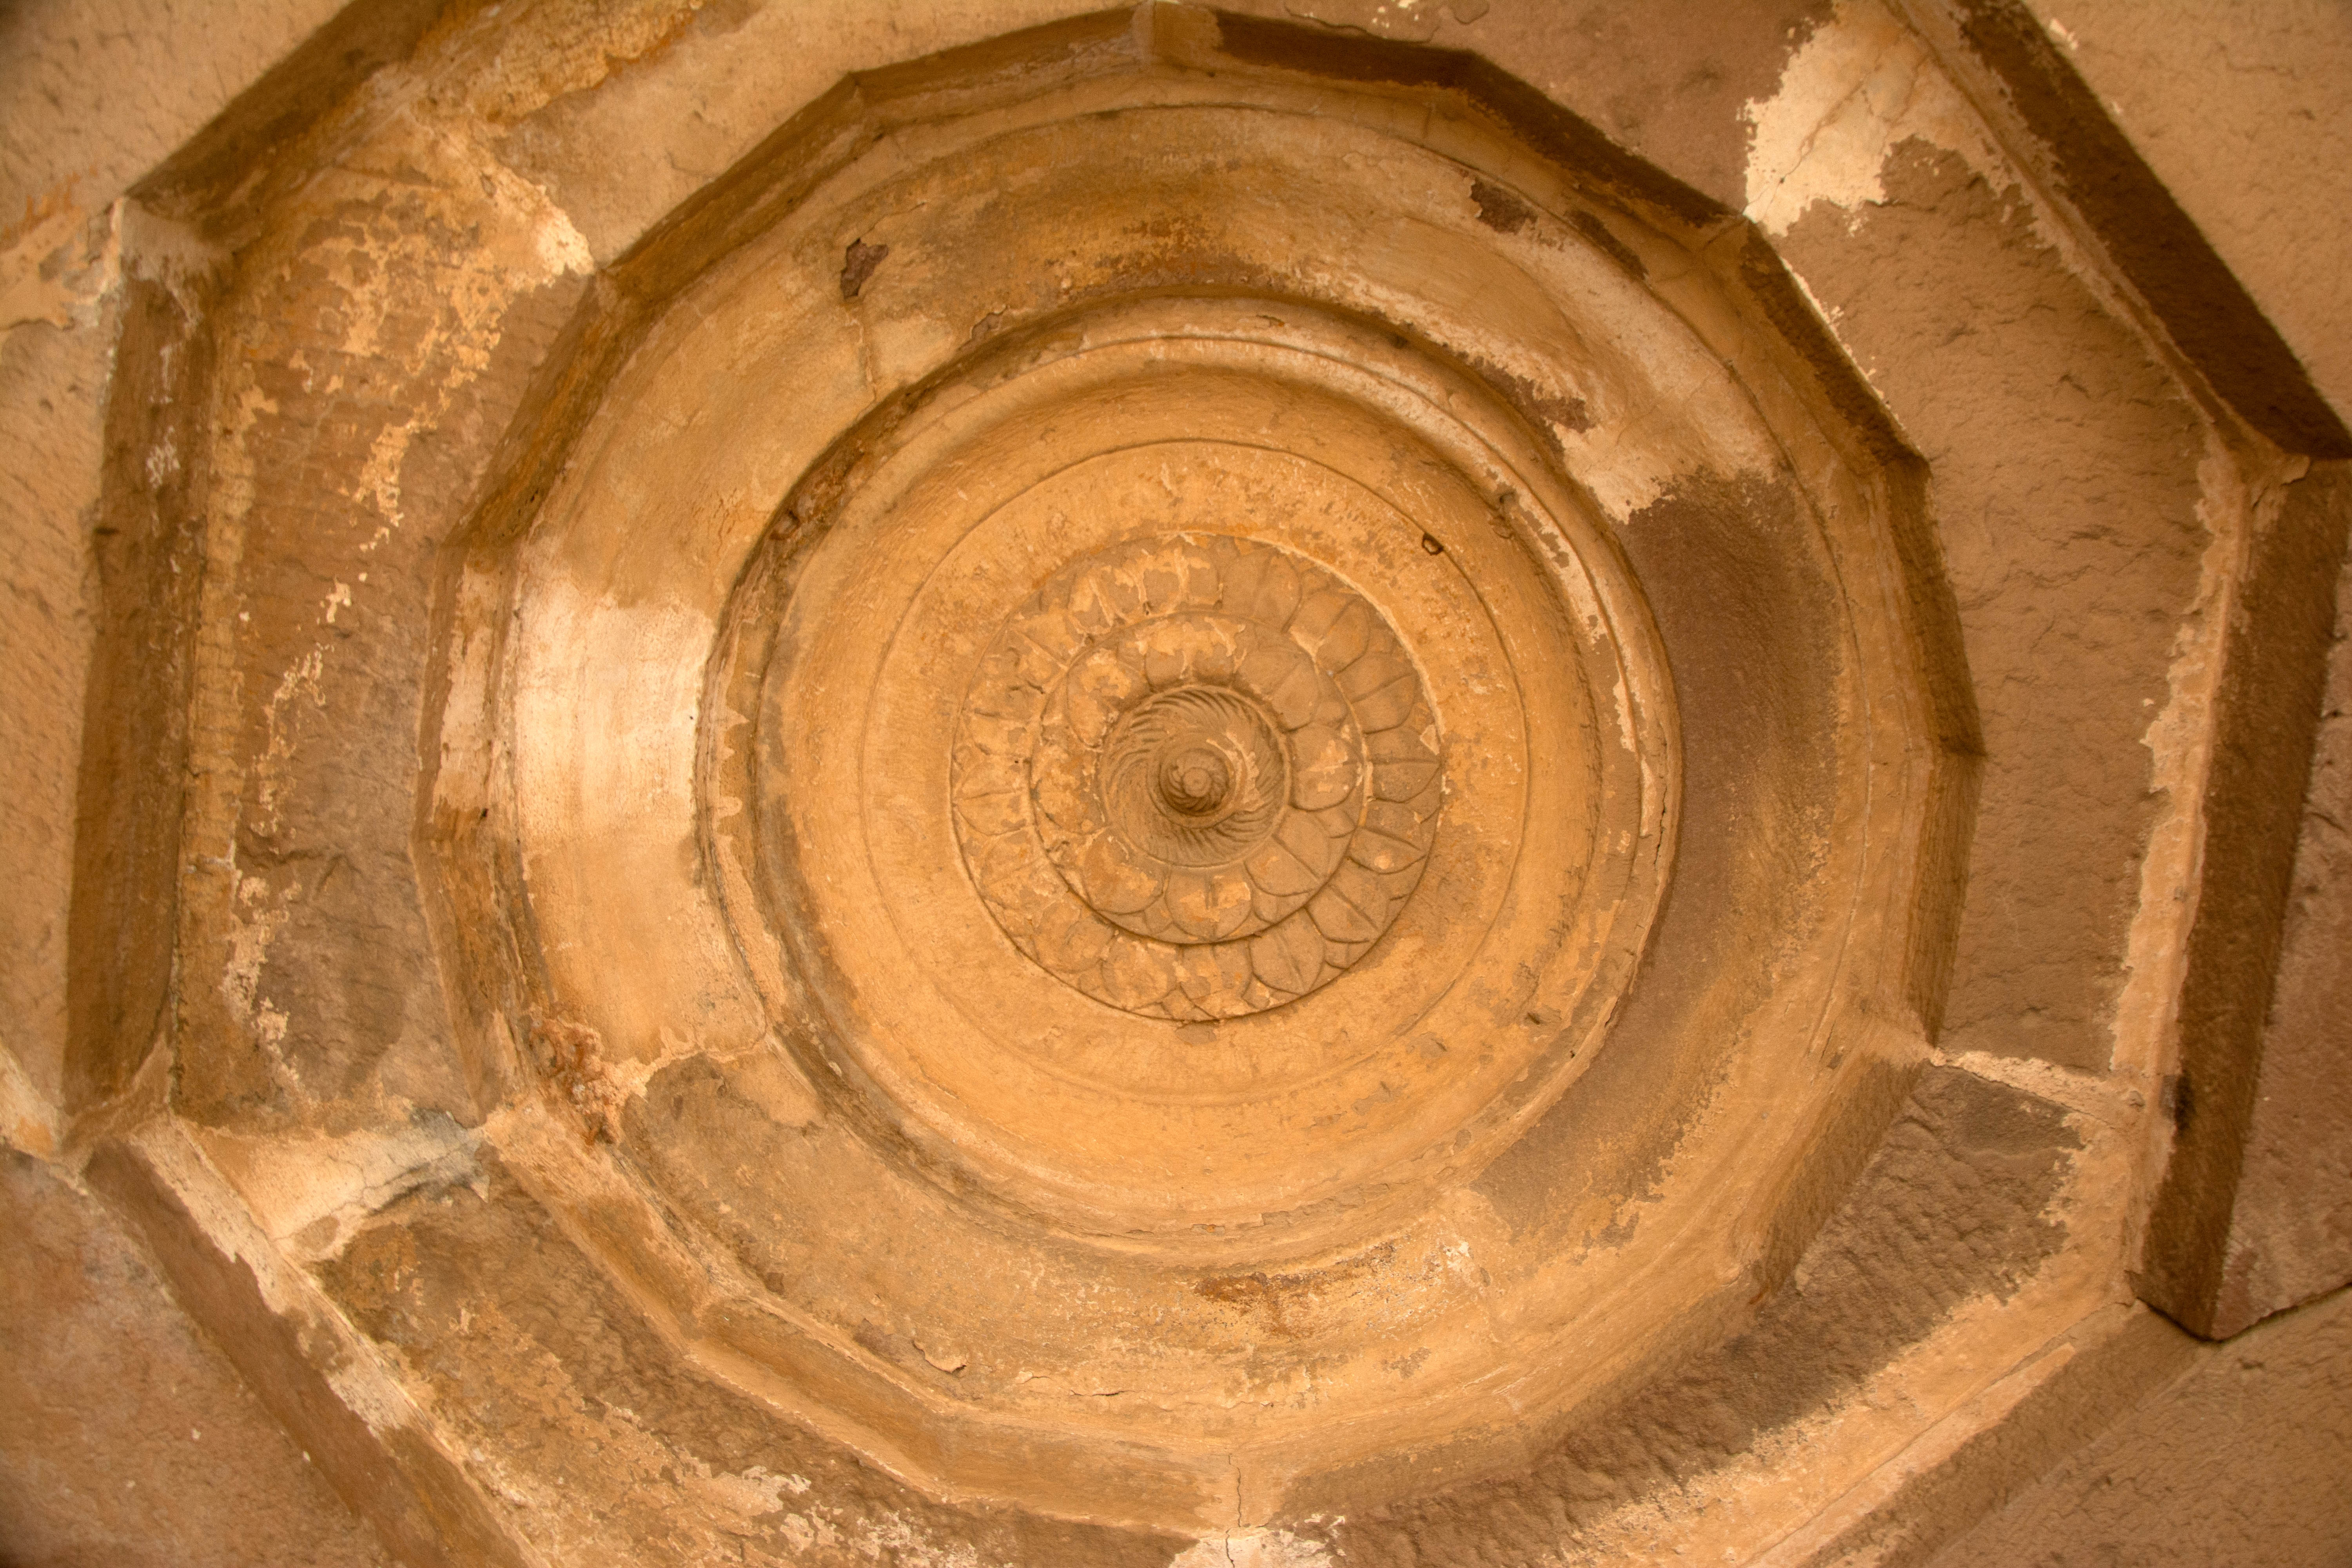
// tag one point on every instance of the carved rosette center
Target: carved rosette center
(1193, 777)
(1196, 782)
(1196, 776)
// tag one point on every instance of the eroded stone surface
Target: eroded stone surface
(2037, 476)
(528, 1352)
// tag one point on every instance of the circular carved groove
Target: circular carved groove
(1196, 777)
(1140, 812)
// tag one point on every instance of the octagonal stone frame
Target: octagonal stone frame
(1535, 166)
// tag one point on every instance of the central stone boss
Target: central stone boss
(1196, 776)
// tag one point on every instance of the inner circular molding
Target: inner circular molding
(1146, 819)
(1227, 757)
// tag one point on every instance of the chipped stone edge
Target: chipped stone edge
(434, 1512)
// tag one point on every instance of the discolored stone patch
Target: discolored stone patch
(1950, 1208)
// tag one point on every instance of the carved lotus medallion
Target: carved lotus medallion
(1196, 777)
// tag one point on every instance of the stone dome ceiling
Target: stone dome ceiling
(1186, 787)
(1165, 800)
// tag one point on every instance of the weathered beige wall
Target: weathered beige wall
(96, 96)
(125, 1437)
(2241, 110)
(101, 91)
(2238, 1459)
(52, 382)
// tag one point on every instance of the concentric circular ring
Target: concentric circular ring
(1196, 776)
(729, 697)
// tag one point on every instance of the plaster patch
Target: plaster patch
(1257, 1549)
(60, 267)
(752, 1494)
(913, 1545)
(310, 1194)
(528, 243)
(27, 1121)
(1860, 86)
(2179, 740)
(1414, 21)
(302, 678)
(248, 950)
(2105, 1099)
(534, 243)
(220, 1214)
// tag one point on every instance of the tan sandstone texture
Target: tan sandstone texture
(1348, 781)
